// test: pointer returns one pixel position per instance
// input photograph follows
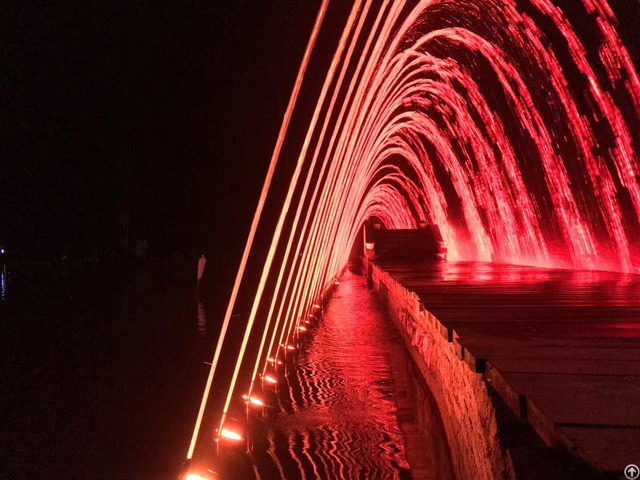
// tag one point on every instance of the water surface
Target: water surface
(337, 411)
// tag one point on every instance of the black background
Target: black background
(165, 113)
(162, 113)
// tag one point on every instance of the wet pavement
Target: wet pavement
(567, 341)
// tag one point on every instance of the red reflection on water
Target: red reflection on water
(338, 411)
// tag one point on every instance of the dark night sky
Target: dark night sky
(169, 110)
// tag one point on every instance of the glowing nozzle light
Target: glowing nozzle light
(302, 329)
(193, 476)
(253, 401)
(230, 435)
(270, 379)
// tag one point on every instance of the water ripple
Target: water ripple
(339, 414)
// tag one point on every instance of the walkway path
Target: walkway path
(561, 347)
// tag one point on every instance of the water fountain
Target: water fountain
(512, 125)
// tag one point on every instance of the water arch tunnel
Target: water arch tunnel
(477, 159)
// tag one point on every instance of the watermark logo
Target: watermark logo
(632, 472)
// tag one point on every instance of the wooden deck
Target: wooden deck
(561, 347)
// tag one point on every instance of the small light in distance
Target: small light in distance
(290, 347)
(316, 306)
(270, 379)
(225, 433)
(336, 283)
(274, 360)
(302, 329)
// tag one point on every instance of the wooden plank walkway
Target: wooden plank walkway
(562, 347)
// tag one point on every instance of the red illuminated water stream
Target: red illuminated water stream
(511, 124)
(470, 115)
